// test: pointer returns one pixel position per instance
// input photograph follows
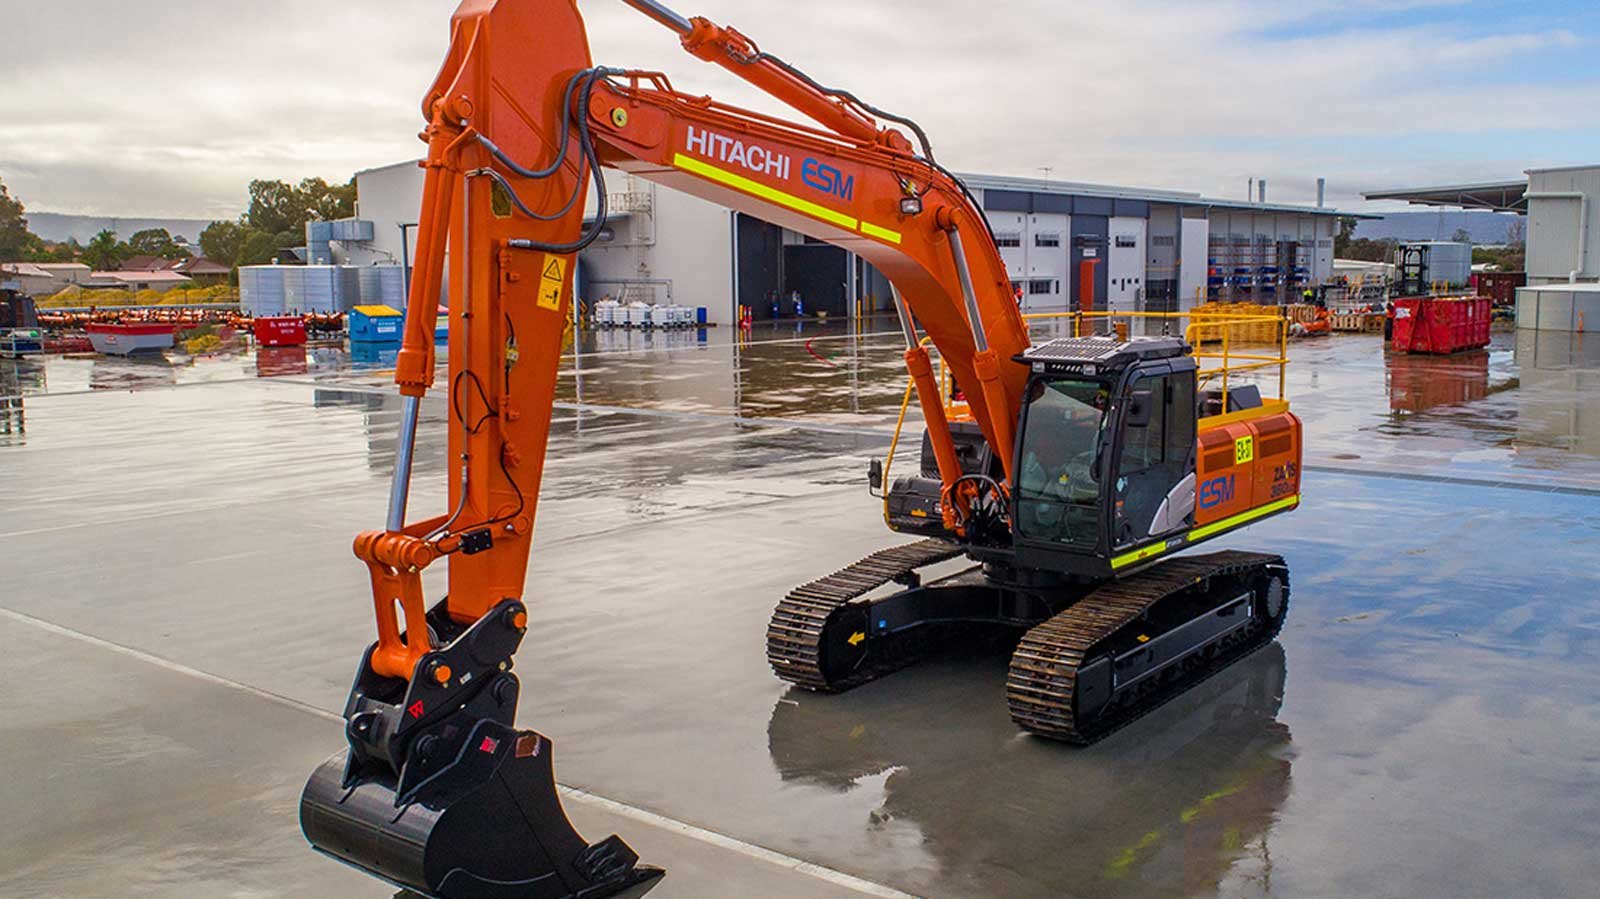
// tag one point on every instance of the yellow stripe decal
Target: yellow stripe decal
(756, 188)
(872, 230)
(1204, 531)
(1139, 555)
(1215, 527)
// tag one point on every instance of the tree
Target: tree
(1347, 233)
(277, 207)
(104, 251)
(1462, 235)
(64, 252)
(258, 249)
(221, 241)
(1369, 250)
(328, 202)
(154, 242)
(1517, 232)
(16, 241)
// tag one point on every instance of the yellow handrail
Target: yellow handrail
(888, 462)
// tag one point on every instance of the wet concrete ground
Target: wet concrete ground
(1426, 725)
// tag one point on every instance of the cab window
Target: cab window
(1058, 487)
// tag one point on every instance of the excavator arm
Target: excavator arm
(437, 790)
(520, 123)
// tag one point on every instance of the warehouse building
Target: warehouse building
(1125, 249)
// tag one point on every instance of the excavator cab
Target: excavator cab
(1105, 457)
(1105, 451)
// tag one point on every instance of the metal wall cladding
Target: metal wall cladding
(356, 230)
(321, 288)
(318, 251)
(1558, 307)
(261, 290)
(382, 285)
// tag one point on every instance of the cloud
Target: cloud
(171, 109)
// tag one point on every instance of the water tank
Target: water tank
(261, 290)
(1443, 261)
(383, 285)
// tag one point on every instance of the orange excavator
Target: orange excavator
(1079, 469)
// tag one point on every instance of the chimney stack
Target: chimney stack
(1261, 190)
(1322, 189)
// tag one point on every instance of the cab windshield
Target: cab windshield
(1057, 487)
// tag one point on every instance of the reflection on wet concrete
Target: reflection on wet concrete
(18, 378)
(364, 356)
(826, 374)
(1509, 414)
(277, 361)
(140, 371)
(1562, 373)
(1419, 383)
(1176, 806)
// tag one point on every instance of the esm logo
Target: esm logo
(828, 179)
(1216, 491)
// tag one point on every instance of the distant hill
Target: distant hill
(1485, 227)
(55, 226)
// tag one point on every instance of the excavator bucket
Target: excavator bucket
(489, 825)
(439, 793)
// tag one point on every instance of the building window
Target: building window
(1047, 240)
(1008, 239)
(1039, 286)
(1162, 240)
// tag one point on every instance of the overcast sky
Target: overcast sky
(169, 109)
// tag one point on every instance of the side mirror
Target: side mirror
(1141, 406)
(875, 475)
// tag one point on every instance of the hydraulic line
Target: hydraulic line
(586, 148)
(922, 136)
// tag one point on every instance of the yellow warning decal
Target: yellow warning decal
(1244, 449)
(552, 281)
(857, 638)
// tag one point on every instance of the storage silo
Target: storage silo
(261, 290)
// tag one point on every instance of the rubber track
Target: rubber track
(794, 636)
(1039, 687)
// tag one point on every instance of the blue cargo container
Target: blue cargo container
(375, 324)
